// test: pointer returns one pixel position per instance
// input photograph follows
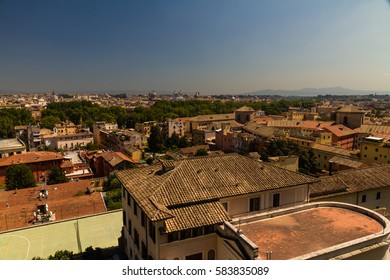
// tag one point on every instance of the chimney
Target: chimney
(168, 165)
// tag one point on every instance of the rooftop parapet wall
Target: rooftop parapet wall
(329, 230)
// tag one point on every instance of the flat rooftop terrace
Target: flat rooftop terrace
(66, 201)
(299, 233)
(14, 143)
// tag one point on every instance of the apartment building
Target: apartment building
(350, 116)
(375, 150)
(173, 210)
(40, 164)
(342, 136)
(9, 147)
(68, 136)
(368, 187)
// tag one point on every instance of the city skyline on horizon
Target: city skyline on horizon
(214, 47)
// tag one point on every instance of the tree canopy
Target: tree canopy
(89, 113)
(19, 176)
(277, 147)
(9, 118)
(58, 255)
(56, 176)
(201, 152)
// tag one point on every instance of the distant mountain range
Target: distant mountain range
(300, 92)
(315, 92)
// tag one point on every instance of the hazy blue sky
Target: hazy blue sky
(211, 46)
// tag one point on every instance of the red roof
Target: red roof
(66, 201)
(30, 158)
(340, 130)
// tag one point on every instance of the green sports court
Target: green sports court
(101, 230)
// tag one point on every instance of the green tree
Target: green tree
(113, 197)
(56, 176)
(155, 140)
(19, 176)
(93, 254)
(58, 255)
(92, 147)
(49, 122)
(307, 162)
(201, 152)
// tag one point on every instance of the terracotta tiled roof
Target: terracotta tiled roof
(350, 109)
(30, 158)
(332, 149)
(351, 181)
(301, 124)
(206, 214)
(216, 117)
(114, 158)
(202, 180)
(374, 129)
(353, 163)
(259, 130)
(245, 109)
(340, 130)
(67, 200)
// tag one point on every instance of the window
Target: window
(376, 149)
(143, 219)
(254, 204)
(135, 208)
(144, 251)
(376, 158)
(129, 226)
(128, 199)
(276, 200)
(173, 236)
(225, 205)
(196, 232)
(124, 217)
(378, 195)
(211, 254)
(208, 229)
(136, 239)
(365, 147)
(184, 234)
(197, 256)
(152, 231)
(364, 198)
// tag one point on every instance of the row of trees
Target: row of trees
(9, 118)
(88, 113)
(90, 253)
(20, 176)
(113, 196)
(158, 143)
(307, 160)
